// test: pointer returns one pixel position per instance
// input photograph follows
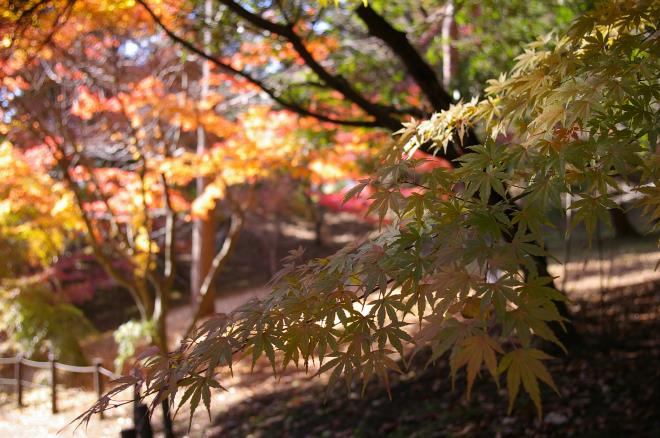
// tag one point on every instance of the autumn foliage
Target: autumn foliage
(105, 101)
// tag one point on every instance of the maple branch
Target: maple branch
(139, 283)
(336, 82)
(112, 217)
(162, 391)
(397, 41)
(415, 64)
(96, 246)
(63, 162)
(291, 106)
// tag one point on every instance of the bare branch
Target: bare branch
(336, 82)
(291, 106)
(416, 66)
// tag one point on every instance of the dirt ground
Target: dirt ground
(609, 382)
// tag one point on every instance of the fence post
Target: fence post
(53, 383)
(18, 375)
(136, 396)
(141, 420)
(98, 382)
(167, 419)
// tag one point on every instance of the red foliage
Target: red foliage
(77, 276)
(360, 204)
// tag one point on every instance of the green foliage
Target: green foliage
(37, 321)
(577, 114)
(129, 336)
(489, 36)
(497, 30)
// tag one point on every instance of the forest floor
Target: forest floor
(609, 382)
(609, 385)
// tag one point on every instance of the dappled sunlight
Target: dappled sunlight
(36, 419)
(614, 268)
(318, 218)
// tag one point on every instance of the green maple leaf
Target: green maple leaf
(473, 352)
(524, 366)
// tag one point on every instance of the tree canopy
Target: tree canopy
(111, 111)
(577, 114)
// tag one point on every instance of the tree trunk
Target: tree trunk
(203, 251)
(161, 309)
(218, 262)
(449, 52)
(203, 238)
(621, 224)
(565, 331)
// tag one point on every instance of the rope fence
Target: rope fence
(18, 382)
(141, 421)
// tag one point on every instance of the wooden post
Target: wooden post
(142, 421)
(18, 375)
(53, 383)
(128, 433)
(98, 382)
(168, 428)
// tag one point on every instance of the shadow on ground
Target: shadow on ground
(609, 387)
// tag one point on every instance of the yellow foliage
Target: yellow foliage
(35, 208)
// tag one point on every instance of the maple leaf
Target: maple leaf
(356, 190)
(524, 365)
(473, 352)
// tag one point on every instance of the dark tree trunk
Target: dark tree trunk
(319, 214)
(203, 251)
(565, 331)
(168, 428)
(142, 421)
(621, 224)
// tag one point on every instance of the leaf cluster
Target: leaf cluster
(576, 115)
(38, 321)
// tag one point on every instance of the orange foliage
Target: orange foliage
(254, 143)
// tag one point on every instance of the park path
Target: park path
(179, 318)
(35, 420)
(588, 272)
